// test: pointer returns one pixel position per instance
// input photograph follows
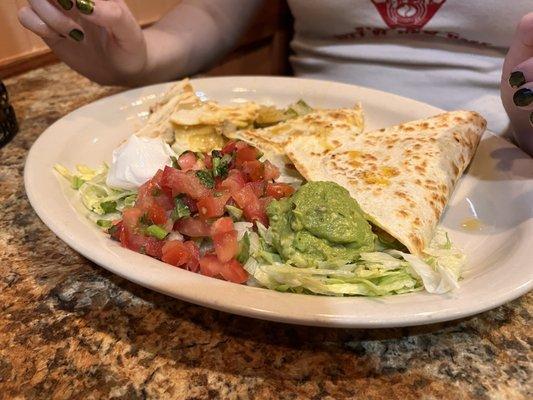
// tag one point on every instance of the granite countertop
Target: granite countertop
(70, 329)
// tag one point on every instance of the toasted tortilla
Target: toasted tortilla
(322, 123)
(158, 125)
(186, 122)
(211, 113)
(402, 177)
(202, 128)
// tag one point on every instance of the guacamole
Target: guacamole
(319, 223)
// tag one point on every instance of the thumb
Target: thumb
(522, 46)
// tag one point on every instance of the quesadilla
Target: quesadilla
(324, 123)
(158, 124)
(402, 176)
(187, 122)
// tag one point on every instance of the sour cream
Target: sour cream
(136, 161)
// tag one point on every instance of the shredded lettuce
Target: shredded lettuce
(264, 233)
(104, 203)
(242, 228)
(235, 212)
(386, 271)
(360, 280)
(374, 274)
(441, 269)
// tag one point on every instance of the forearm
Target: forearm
(193, 36)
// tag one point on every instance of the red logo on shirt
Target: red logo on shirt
(407, 13)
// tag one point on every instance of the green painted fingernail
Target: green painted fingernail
(66, 4)
(523, 97)
(85, 6)
(517, 79)
(77, 35)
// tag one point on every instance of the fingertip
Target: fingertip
(22, 15)
(85, 6)
(525, 29)
(104, 13)
(517, 79)
(522, 73)
(31, 21)
(523, 97)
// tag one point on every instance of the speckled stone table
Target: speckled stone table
(69, 329)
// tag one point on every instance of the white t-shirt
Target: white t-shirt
(448, 53)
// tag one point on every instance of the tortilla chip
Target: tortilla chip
(325, 123)
(158, 124)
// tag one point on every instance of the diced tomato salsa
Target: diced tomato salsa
(187, 204)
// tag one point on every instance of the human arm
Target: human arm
(108, 46)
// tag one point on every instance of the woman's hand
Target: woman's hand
(101, 39)
(517, 84)
(98, 38)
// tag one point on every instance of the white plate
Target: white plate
(498, 190)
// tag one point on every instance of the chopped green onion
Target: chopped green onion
(174, 162)
(145, 220)
(113, 231)
(221, 165)
(300, 108)
(244, 249)
(235, 212)
(206, 178)
(224, 165)
(157, 232)
(180, 209)
(108, 206)
(216, 165)
(216, 154)
(290, 113)
(104, 223)
(77, 182)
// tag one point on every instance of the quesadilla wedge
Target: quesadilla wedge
(189, 123)
(158, 125)
(186, 122)
(322, 123)
(402, 176)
